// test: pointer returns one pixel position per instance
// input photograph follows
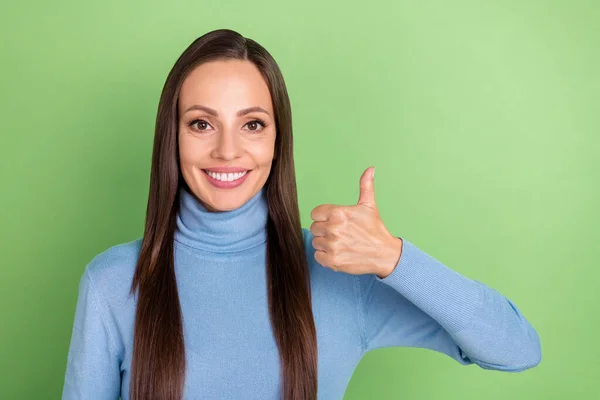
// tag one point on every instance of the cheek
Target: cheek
(190, 152)
(264, 153)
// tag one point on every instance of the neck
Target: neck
(222, 231)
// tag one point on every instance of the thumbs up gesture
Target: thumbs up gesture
(353, 239)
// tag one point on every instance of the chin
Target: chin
(226, 202)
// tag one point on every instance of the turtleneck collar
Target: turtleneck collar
(224, 231)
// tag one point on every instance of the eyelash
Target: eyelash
(259, 120)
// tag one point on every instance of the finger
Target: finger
(322, 258)
(322, 212)
(318, 228)
(367, 188)
(320, 243)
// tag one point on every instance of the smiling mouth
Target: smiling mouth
(226, 177)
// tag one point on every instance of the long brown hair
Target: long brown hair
(158, 364)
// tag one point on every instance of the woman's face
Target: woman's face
(226, 133)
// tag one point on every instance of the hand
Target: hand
(353, 239)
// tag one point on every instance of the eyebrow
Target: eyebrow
(240, 113)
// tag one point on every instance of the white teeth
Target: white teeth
(226, 177)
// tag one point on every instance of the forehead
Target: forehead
(225, 85)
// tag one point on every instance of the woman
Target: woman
(227, 297)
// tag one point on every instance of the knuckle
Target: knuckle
(333, 230)
(334, 247)
(333, 253)
(338, 213)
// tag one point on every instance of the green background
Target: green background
(481, 117)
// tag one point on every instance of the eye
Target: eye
(201, 123)
(253, 124)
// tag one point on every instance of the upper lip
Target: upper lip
(227, 169)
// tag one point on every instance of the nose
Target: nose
(228, 145)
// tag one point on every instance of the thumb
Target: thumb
(367, 188)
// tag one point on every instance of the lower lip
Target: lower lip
(228, 184)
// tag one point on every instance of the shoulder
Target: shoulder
(115, 265)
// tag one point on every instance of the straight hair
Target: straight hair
(158, 364)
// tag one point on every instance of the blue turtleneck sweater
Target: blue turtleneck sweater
(230, 350)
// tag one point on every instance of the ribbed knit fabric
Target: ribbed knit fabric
(230, 350)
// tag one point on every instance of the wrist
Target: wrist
(394, 258)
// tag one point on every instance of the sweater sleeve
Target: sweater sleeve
(425, 304)
(93, 370)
